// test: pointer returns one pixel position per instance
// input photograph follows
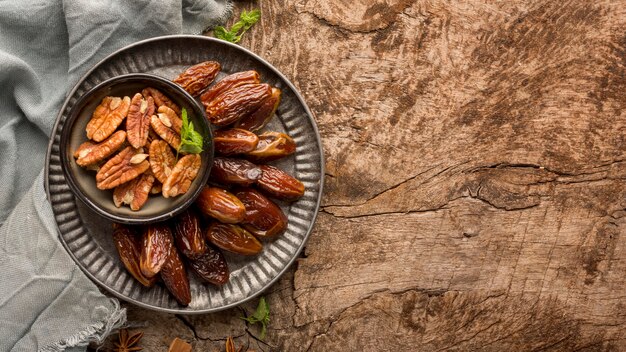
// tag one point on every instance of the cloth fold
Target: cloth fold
(46, 302)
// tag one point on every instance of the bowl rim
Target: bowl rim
(73, 115)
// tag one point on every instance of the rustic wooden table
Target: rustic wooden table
(475, 191)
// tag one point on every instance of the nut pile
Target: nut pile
(145, 128)
(234, 211)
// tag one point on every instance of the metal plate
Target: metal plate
(87, 236)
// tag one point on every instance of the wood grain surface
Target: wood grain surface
(475, 191)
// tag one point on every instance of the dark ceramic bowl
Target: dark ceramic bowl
(82, 182)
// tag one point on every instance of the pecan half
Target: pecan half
(134, 193)
(272, 146)
(197, 77)
(236, 103)
(107, 117)
(170, 119)
(90, 153)
(119, 169)
(138, 120)
(167, 133)
(258, 119)
(183, 173)
(160, 99)
(231, 81)
(234, 141)
(162, 160)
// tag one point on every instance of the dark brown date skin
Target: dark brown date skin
(127, 244)
(175, 278)
(234, 141)
(258, 119)
(264, 218)
(156, 244)
(272, 146)
(231, 171)
(279, 184)
(233, 238)
(221, 205)
(188, 234)
(211, 267)
(231, 81)
(197, 77)
(236, 103)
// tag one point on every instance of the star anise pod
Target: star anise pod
(128, 343)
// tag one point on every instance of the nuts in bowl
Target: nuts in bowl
(137, 149)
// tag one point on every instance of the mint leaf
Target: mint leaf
(191, 141)
(246, 20)
(261, 315)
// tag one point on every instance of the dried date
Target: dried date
(156, 244)
(263, 217)
(234, 141)
(231, 81)
(211, 266)
(272, 146)
(221, 205)
(188, 234)
(175, 278)
(233, 238)
(107, 117)
(234, 171)
(236, 103)
(259, 118)
(196, 78)
(90, 153)
(122, 168)
(183, 174)
(128, 248)
(280, 184)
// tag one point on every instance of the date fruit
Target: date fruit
(236, 103)
(188, 234)
(234, 141)
(211, 266)
(280, 184)
(264, 218)
(122, 168)
(134, 193)
(128, 247)
(138, 120)
(183, 174)
(175, 278)
(160, 99)
(162, 160)
(156, 244)
(231, 81)
(234, 171)
(90, 153)
(107, 117)
(233, 238)
(196, 78)
(221, 205)
(259, 118)
(272, 146)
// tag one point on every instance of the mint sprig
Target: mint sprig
(190, 140)
(246, 20)
(261, 315)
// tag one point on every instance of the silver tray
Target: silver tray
(87, 236)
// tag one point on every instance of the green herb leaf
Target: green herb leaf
(261, 315)
(191, 141)
(246, 20)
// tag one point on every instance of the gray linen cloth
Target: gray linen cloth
(46, 302)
